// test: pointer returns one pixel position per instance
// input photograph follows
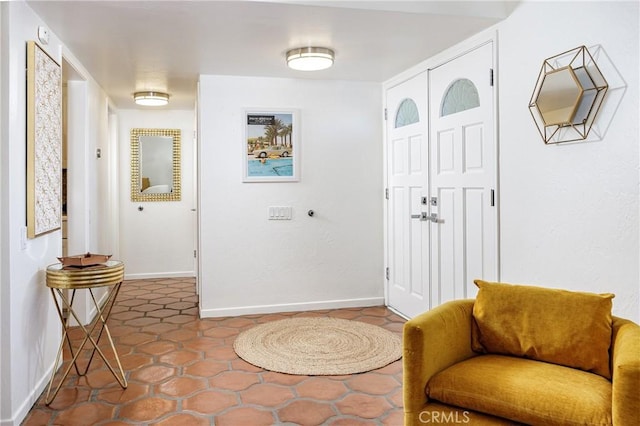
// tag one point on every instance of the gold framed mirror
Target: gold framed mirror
(155, 164)
(567, 96)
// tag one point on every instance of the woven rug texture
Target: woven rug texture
(318, 346)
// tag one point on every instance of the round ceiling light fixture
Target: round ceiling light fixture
(150, 98)
(310, 58)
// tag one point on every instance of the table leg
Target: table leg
(101, 318)
(65, 337)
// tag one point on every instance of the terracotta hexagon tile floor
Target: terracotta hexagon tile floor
(182, 370)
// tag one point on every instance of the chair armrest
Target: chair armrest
(625, 372)
(433, 341)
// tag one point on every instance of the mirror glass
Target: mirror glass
(559, 97)
(155, 165)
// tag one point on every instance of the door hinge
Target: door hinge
(385, 114)
(491, 77)
(386, 274)
(194, 254)
(386, 193)
(493, 198)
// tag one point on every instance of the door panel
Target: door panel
(417, 264)
(407, 176)
(461, 109)
(397, 216)
(473, 148)
(445, 152)
(415, 155)
(474, 238)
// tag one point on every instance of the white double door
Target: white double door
(441, 183)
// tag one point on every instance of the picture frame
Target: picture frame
(44, 142)
(271, 145)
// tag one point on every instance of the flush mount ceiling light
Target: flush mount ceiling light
(151, 98)
(310, 58)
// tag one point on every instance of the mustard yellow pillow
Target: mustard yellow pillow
(558, 326)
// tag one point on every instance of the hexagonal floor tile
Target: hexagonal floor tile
(183, 370)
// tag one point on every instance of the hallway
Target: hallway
(183, 371)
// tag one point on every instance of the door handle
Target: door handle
(433, 217)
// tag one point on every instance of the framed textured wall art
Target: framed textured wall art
(44, 142)
(271, 145)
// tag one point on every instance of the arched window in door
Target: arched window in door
(460, 96)
(407, 113)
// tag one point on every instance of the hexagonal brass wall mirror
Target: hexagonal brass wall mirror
(567, 97)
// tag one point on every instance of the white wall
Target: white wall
(569, 213)
(30, 327)
(250, 264)
(28, 350)
(159, 240)
(89, 195)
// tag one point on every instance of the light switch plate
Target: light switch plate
(23, 238)
(280, 212)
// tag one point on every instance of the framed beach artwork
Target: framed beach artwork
(44, 142)
(271, 145)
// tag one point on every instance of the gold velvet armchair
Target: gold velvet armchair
(455, 374)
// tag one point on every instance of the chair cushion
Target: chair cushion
(558, 326)
(524, 390)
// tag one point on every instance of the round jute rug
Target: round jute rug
(318, 346)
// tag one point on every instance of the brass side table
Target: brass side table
(59, 278)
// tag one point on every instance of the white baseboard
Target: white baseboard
(291, 307)
(156, 275)
(28, 402)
